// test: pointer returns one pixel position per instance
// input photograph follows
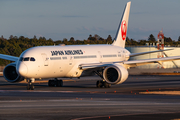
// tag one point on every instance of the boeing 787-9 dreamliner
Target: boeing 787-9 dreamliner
(110, 62)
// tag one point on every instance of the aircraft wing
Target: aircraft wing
(8, 57)
(143, 53)
(135, 63)
(132, 63)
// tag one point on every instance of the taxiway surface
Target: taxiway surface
(79, 99)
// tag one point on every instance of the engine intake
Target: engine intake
(10, 73)
(115, 74)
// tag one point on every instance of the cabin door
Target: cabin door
(70, 60)
(45, 59)
(100, 56)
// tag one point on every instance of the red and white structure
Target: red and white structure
(160, 46)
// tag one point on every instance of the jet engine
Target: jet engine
(115, 74)
(10, 73)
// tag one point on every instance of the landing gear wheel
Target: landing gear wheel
(59, 83)
(30, 86)
(99, 84)
(51, 83)
(107, 85)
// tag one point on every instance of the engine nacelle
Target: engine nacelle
(115, 74)
(10, 73)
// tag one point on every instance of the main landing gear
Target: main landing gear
(55, 83)
(101, 83)
(30, 85)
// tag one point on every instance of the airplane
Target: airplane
(110, 62)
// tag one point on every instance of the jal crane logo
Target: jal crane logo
(123, 29)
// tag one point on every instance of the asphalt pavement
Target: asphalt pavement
(79, 99)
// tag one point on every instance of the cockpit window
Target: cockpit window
(32, 59)
(27, 59)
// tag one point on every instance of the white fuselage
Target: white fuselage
(64, 61)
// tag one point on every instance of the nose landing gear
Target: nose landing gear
(30, 85)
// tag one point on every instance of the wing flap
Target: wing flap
(8, 57)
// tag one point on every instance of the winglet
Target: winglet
(120, 38)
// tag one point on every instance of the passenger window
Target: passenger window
(32, 59)
(26, 59)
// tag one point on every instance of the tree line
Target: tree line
(16, 45)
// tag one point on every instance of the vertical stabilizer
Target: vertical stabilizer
(120, 38)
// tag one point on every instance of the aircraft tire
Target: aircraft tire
(59, 83)
(30, 87)
(99, 84)
(51, 83)
(107, 85)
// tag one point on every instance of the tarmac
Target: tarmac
(139, 97)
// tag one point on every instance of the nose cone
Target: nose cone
(22, 69)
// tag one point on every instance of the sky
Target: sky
(59, 19)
